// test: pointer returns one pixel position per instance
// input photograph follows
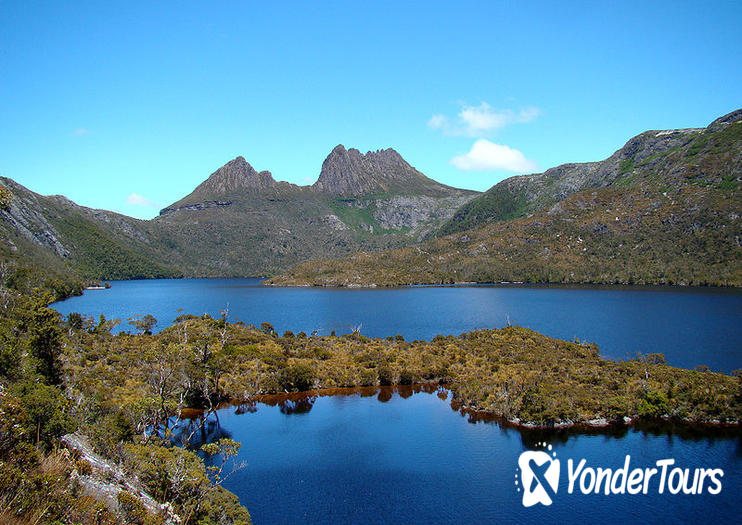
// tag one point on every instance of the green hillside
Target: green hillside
(667, 215)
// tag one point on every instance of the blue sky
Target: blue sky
(128, 106)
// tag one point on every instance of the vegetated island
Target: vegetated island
(514, 372)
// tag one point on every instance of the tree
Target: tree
(47, 411)
(226, 449)
(10, 355)
(162, 365)
(45, 340)
(75, 320)
(5, 199)
(296, 378)
(104, 326)
(144, 325)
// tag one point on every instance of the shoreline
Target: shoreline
(514, 284)
(474, 414)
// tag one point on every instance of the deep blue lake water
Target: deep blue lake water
(690, 326)
(391, 456)
(394, 456)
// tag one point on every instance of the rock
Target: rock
(334, 222)
(349, 173)
(196, 206)
(107, 480)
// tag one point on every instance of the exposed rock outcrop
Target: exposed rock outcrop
(106, 480)
(348, 172)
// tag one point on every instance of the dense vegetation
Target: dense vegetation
(513, 372)
(689, 236)
(41, 400)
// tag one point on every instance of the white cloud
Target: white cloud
(138, 200)
(487, 156)
(528, 114)
(438, 121)
(478, 121)
(482, 118)
(78, 132)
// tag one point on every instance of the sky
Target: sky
(128, 106)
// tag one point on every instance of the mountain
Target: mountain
(243, 222)
(521, 195)
(236, 177)
(665, 208)
(238, 222)
(62, 238)
(349, 173)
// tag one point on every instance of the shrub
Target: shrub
(296, 378)
(653, 404)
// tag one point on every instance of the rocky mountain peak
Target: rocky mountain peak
(236, 175)
(233, 180)
(348, 172)
(726, 120)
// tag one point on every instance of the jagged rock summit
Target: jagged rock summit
(345, 173)
(236, 177)
(241, 222)
(348, 172)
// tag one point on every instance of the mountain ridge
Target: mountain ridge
(522, 194)
(360, 201)
(239, 222)
(350, 173)
(677, 190)
(663, 209)
(344, 173)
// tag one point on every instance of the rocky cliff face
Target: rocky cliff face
(55, 233)
(235, 176)
(26, 217)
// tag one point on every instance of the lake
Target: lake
(401, 455)
(691, 326)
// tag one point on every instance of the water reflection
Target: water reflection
(246, 408)
(196, 428)
(385, 394)
(199, 427)
(397, 449)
